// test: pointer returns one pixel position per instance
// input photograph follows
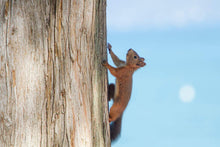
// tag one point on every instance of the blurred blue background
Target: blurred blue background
(180, 41)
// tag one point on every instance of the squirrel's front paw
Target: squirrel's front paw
(104, 62)
(109, 47)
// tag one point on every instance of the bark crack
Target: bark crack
(6, 58)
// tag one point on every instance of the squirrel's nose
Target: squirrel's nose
(142, 59)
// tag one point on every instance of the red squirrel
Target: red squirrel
(121, 91)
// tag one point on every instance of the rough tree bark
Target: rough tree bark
(52, 84)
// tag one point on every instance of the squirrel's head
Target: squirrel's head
(134, 60)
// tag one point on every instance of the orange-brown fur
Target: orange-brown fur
(123, 86)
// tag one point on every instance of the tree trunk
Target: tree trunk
(53, 88)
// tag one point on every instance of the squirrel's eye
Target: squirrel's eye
(135, 57)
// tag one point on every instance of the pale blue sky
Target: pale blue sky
(180, 41)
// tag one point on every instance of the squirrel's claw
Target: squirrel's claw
(104, 62)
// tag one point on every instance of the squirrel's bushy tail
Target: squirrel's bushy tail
(115, 128)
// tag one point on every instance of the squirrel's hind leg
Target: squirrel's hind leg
(115, 127)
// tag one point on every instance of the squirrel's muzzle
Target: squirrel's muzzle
(141, 62)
